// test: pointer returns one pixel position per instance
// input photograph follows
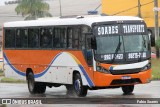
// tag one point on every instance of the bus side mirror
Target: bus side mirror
(93, 43)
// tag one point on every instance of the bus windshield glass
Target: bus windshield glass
(115, 45)
(136, 43)
(131, 43)
(108, 44)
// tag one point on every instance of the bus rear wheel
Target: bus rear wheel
(128, 89)
(79, 89)
(35, 87)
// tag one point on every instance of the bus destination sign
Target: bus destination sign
(133, 28)
(117, 29)
(107, 30)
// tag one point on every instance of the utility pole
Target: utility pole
(60, 8)
(139, 8)
(156, 28)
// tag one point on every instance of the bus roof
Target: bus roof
(80, 20)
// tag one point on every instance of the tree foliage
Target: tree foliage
(158, 43)
(33, 9)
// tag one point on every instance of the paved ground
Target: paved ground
(151, 90)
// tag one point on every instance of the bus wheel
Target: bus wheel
(128, 89)
(35, 87)
(79, 89)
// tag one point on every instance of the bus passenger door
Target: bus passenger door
(89, 56)
(85, 43)
(88, 51)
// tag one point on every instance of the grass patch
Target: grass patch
(11, 80)
(155, 69)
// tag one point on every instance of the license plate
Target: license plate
(125, 77)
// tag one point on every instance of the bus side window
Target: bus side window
(18, 39)
(46, 38)
(10, 38)
(21, 38)
(24, 38)
(56, 38)
(69, 38)
(33, 38)
(63, 38)
(76, 32)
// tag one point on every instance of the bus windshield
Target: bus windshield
(131, 43)
(120, 43)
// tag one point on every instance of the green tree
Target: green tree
(158, 47)
(33, 9)
(158, 43)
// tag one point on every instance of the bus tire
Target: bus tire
(35, 87)
(128, 89)
(80, 90)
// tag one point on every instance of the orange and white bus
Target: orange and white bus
(81, 53)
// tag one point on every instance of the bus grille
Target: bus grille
(128, 71)
(128, 81)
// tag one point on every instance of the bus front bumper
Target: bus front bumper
(102, 80)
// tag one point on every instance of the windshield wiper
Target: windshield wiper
(116, 51)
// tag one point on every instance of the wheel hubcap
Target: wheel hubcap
(77, 85)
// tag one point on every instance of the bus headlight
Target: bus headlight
(102, 69)
(148, 66)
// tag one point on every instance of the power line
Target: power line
(98, 7)
(124, 10)
(132, 8)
